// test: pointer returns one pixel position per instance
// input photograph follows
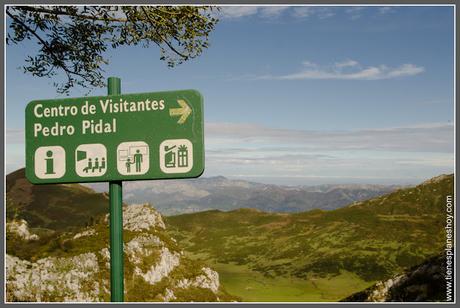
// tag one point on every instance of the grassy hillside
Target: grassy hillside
(56, 207)
(75, 266)
(366, 241)
(57, 240)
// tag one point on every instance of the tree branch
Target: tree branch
(45, 45)
(74, 38)
(58, 12)
(163, 39)
(31, 31)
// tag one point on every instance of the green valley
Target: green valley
(318, 255)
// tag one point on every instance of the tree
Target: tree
(73, 39)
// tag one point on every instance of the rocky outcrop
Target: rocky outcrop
(139, 247)
(155, 268)
(87, 232)
(53, 279)
(168, 261)
(140, 217)
(422, 283)
(20, 228)
(208, 280)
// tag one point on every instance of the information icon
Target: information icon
(133, 158)
(176, 156)
(49, 162)
(91, 160)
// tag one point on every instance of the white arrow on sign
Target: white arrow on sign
(184, 111)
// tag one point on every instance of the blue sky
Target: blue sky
(300, 95)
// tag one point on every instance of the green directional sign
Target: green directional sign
(115, 138)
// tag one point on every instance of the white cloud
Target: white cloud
(303, 11)
(299, 12)
(388, 155)
(355, 12)
(234, 12)
(323, 13)
(14, 136)
(348, 70)
(14, 156)
(385, 9)
(14, 149)
(346, 63)
(367, 155)
(308, 11)
(308, 64)
(272, 11)
(431, 137)
(405, 70)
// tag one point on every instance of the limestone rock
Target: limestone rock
(154, 268)
(208, 280)
(53, 279)
(139, 217)
(21, 229)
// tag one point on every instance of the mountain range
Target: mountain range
(358, 252)
(172, 197)
(318, 255)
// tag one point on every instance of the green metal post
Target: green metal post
(116, 221)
